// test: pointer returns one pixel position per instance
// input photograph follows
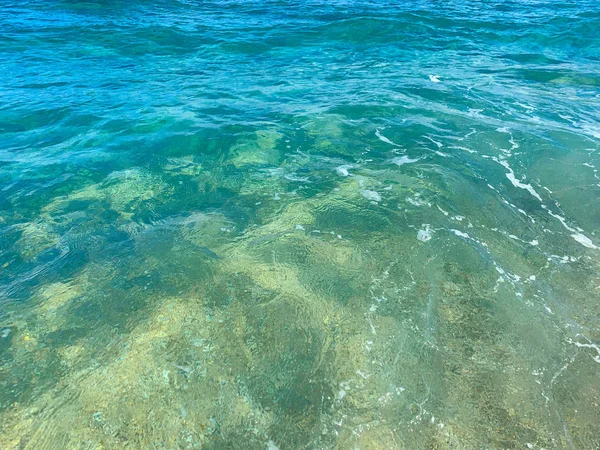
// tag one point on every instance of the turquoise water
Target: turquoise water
(300, 225)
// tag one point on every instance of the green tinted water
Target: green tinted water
(246, 226)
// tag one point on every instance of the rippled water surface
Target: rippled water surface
(300, 225)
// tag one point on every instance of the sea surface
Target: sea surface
(300, 224)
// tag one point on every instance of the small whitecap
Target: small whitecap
(434, 78)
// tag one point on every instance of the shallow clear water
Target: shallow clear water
(283, 225)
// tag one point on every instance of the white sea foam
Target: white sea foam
(590, 345)
(437, 143)
(511, 177)
(584, 240)
(384, 139)
(576, 232)
(434, 78)
(577, 235)
(460, 234)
